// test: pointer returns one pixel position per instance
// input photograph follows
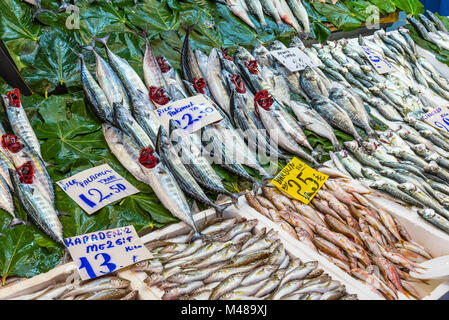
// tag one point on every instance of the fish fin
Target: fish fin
(103, 40)
(91, 46)
(14, 222)
(62, 214)
(48, 164)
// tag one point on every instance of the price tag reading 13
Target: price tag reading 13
(299, 181)
(102, 252)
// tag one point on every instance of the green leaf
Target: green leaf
(413, 7)
(338, 15)
(55, 63)
(156, 15)
(385, 6)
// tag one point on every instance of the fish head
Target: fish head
(407, 187)
(419, 148)
(277, 45)
(426, 133)
(242, 54)
(296, 42)
(427, 213)
(351, 145)
(369, 173)
(403, 133)
(120, 283)
(410, 119)
(370, 146)
(140, 266)
(378, 184)
(387, 172)
(397, 152)
(261, 54)
(433, 157)
(432, 166)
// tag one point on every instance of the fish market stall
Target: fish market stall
(241, 149)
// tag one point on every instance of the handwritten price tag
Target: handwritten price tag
(102, 252)
(299, 180)
(293, 59)
(438, 118)
(191, 113)
(381, 65)
(97, 187)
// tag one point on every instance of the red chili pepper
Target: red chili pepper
(238, 83)
(26, 172)
(14, 98)
(199, 85)
(263, 99)
(225, 53)
(158, 96)
(163, 65)
(12, 143)
(252, 66)
(147, 159)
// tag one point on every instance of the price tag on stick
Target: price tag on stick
(299, 181)
(381, 65)
(191, 113)
(438, 118)
(293, 59)
(94, 188)
(102, 252)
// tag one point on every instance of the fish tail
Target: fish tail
(103, 40)
(79, 54)
(14, 222)
(91, 46)
(219, 209)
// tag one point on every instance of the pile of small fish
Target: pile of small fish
(23, 172)
(104, 288)
(291, 12)
(342, 225)
(236, 262)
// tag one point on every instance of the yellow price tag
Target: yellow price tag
(299, 180)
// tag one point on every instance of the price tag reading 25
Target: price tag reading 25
(299, 180)
(102, 252)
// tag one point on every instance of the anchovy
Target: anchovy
(395, 192)
(413, 191)
(435, 219)
(427, 23)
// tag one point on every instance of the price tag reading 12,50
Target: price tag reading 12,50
(381, 65)
(299, 181)
(191, 114)
(102, 252)
(94, 188)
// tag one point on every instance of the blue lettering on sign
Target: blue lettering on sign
(93, 177)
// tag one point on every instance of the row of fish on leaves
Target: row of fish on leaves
(136, 137)
(291, 12)
(23, 172)
(237, 260)
(343, 224)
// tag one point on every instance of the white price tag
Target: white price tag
(438, 118)
(94, 188)
(191, 113)
(102, 252)
(381, 65)
(293, 59)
